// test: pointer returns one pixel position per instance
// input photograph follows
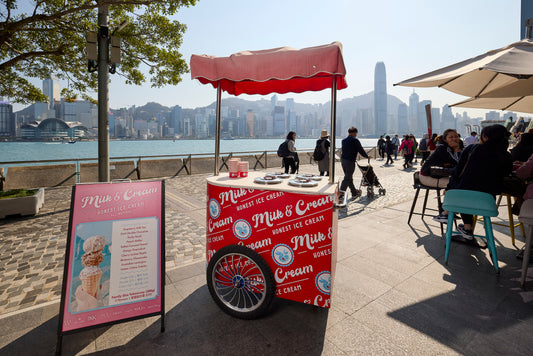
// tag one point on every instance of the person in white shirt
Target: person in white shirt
(472, 139)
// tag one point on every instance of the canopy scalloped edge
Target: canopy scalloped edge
(278, 70)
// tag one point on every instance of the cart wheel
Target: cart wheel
(240, 282)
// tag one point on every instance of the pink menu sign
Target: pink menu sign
(115, 253)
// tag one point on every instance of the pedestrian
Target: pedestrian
(415, 149)
(290, 160)
(389, 149)
(381, 147)
(407, 151)
(323, 145)
(350, 148)
(396, 141)
(423, 148)
(472, 139)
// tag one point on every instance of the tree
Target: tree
(43, 36)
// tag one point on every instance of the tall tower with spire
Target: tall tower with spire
(380, 98)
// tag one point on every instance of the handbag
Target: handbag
(440, 172)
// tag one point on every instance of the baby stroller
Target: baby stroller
(370, 180)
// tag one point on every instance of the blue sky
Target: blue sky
(411, 37)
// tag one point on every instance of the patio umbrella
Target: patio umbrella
(504, 72)
(520, 104)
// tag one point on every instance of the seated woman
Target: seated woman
(524, 148)
(482, 168)
(446, 156)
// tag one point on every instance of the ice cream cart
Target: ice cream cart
(271, 234)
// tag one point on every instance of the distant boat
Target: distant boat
(228, 138)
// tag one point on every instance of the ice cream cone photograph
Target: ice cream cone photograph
(91, 267)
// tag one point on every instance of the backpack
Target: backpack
(423, 145)
(283, 149)
(318, 155)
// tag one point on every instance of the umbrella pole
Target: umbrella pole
(217, 133)
(333, 129)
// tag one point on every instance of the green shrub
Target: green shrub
(17, 193)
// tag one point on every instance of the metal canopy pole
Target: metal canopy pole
(103, 94)
(217, 134)
(333, 130)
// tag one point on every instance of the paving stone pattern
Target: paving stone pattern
(33, 248)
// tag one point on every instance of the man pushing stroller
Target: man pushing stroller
(350, 148)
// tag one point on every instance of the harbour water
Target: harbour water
(34, 151)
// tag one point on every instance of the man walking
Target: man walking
(396, 141)
(381, 147)
(350, 148)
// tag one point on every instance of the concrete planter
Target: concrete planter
(29, 205)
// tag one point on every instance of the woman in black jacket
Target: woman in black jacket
(446, 156)
(482, 167)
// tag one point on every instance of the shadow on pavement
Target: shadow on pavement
(483, 313)
(193, 326)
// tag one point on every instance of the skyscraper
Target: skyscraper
(413, 111)
(7, 119)
(422, 125)
(403, 123)
(526, 11)
(51, 90)
(250, 120)
(380, 98)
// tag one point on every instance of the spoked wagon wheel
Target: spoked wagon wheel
(240, 282)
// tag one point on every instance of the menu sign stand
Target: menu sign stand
(115, 256)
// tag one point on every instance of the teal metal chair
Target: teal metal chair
(473, 203)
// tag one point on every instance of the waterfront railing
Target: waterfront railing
(65, 172)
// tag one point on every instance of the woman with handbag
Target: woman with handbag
(482, 167)
(291, 160)
(436, 170)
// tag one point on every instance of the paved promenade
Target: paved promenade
(31, 263)
(392, 294)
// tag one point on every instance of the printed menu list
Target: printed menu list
(134, 261)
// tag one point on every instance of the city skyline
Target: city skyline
(376, 113)
(411, 37)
